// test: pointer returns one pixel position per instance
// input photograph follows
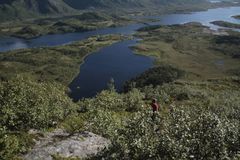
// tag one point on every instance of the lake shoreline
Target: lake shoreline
(128, 21)
(111, 53)
(226, 24)
(59, 63)
(143, 21)
(178, 46)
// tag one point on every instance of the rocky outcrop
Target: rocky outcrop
(61, 143)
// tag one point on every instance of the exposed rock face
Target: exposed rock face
(60, 143)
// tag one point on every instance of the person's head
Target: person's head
(154, 100)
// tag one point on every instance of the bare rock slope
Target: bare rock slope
(60, 143)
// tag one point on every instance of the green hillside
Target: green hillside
(21, 9)
(124, 3)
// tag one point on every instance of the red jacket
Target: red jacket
(155, 107)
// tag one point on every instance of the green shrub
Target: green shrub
(9, 146)
(154, 76)
(27, 104)
(108, 100)
(85, 105)
(74, 124)
(186, 133)
(193, 135)
(138, 139)
(13, 143)
(133, 100)
(103, 122)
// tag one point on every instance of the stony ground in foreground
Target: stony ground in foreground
(61, 143)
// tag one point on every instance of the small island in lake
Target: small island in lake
(226, 24)
(237, 16)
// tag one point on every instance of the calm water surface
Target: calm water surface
(116, 61)
(204, 17)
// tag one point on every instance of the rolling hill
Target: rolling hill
(83, 4)
(22, 9)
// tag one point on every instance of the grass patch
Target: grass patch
(59, 64)
(192, 48)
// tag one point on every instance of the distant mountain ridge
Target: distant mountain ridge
(83, 4)
(21, 9)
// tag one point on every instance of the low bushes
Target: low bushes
(197, 120)
(185, 133)
(154, 76)
(204, 125)
(26, 104)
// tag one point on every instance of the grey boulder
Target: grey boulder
(58, 142)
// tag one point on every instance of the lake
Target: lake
(116, 61)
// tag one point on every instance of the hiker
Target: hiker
(154, 105)
(155, 108)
